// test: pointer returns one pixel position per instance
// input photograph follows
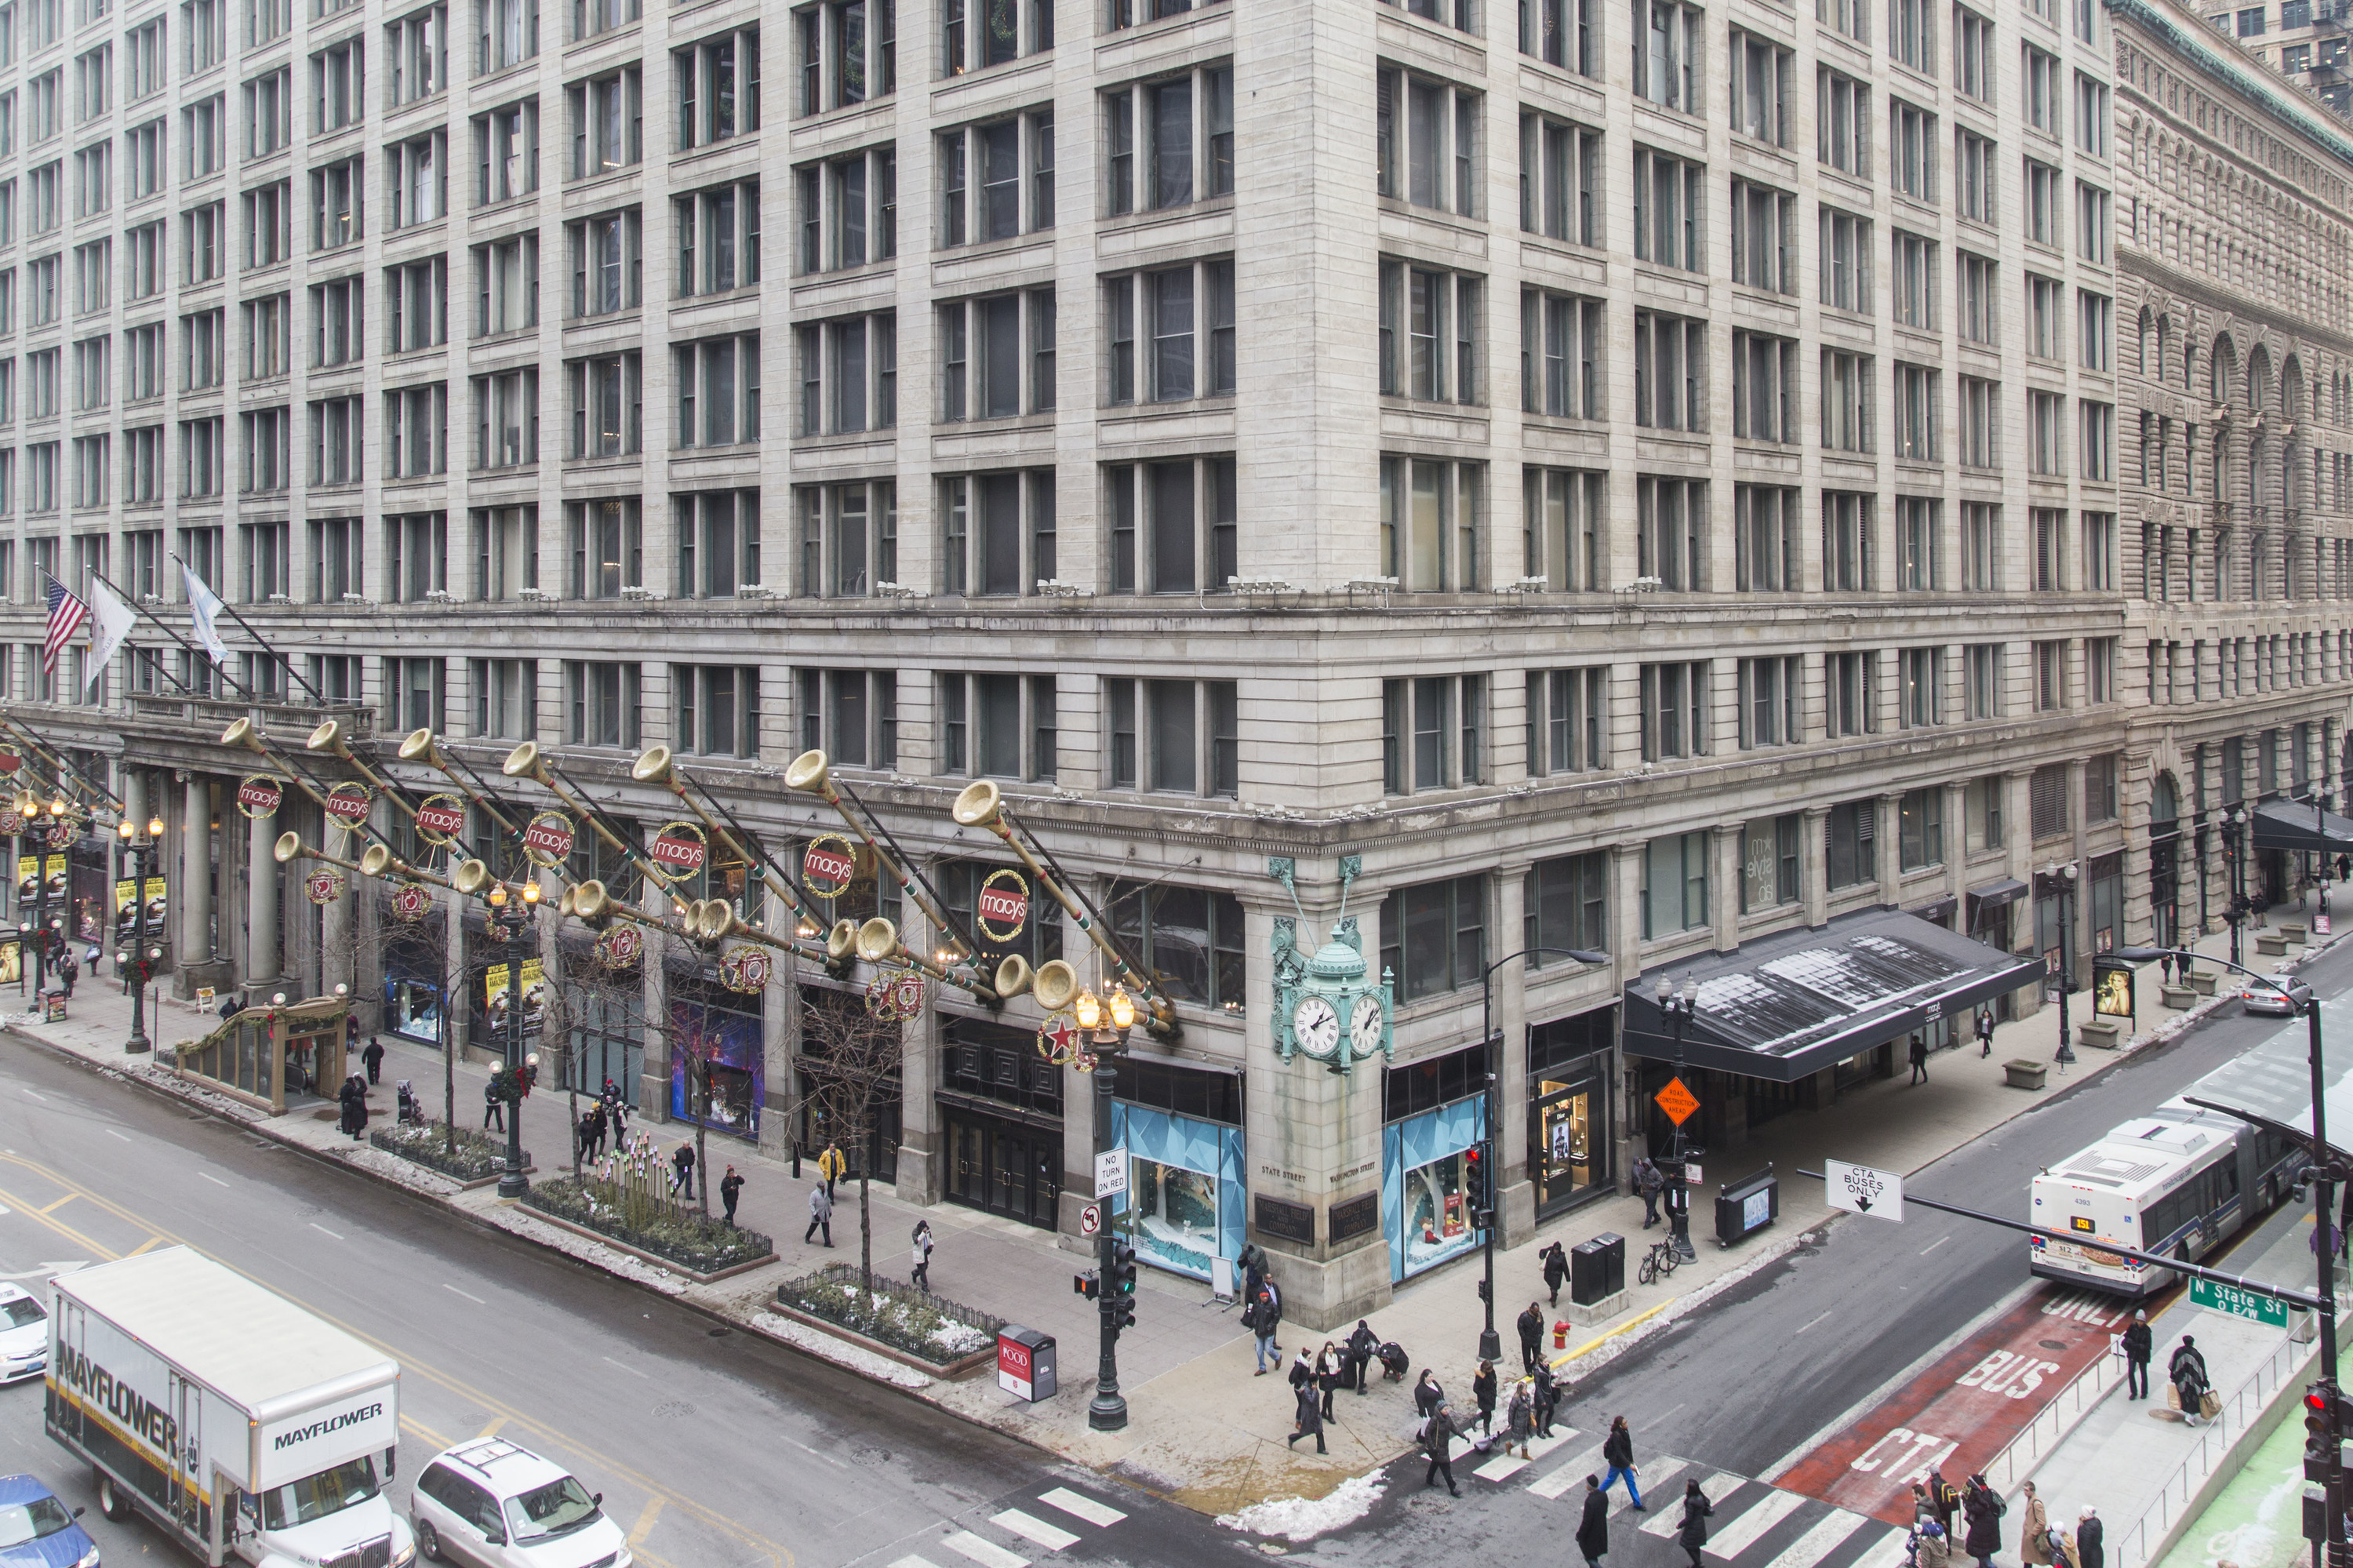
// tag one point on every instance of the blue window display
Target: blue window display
(1424, 1206)
(1186, 1185)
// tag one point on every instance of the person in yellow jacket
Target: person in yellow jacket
(830, 1167)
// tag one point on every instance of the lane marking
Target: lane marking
(912, 1561)
(631, 1371)
(1081, 1506)
(338, 1236)
(114, 1133)
(1665, 1471)
(1820, 1542)
(31, 1094)
(411, 1424)
(645, 1525)
(1052, 1537)
(211, 1178)
(1811, 1323)
(1744, 1532)
(1668, 1519)
(491, 1430)
(1934, 1245)
(455, 1291)
(988, 1555)
(1552, 1485)
(61, 1203)
(142, 1247)
(1892, 1548)
(1502, 1468)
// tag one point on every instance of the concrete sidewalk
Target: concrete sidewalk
(1205, 1431)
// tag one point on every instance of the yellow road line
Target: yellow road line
(142, 1247)
(60, 1204)
(645, 1525)
(492, 1429)
(1639, 1319)
(773, 1551)
(63, 1229)
(412, 1425)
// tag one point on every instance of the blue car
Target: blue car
(38, 1532)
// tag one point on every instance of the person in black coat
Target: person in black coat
(1617, 1453)
(1547, 1399)
(1361, 1346)
(1983, 1511)
(1593, 1525)
(1531, 1337)
(1697, 1509)
(1427, 1395)
(2138, 1343)
(1438, 1442)
(373, 1057)
(1482, 1393)
(1555, 1269)
(352, 1097)
(1310, 1415)
(1331, 1362)
(2190, 1383)
(2090, 1542)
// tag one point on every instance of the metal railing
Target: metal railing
(2131, 1547)
(287, 717)
(2014, 1463)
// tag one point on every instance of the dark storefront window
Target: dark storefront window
(1188, 938)
(606, 1011)
(1852, 843)
(1040, 936)
(721, 1029)
(1432, 1082)
(825, 1117)
(1180, 1091)
(1568, 1108)
(1567, 906)
(1434, 936)
(2107, 894)
(2164, 863)
(413, 975)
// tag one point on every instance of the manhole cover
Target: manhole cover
(2053, 1344)
(673, 1410)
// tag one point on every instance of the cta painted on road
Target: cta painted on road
(1966, 1406)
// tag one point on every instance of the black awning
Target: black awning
(1936, 911)
(1789, 1005)
(1992, 896)
(2294, 825)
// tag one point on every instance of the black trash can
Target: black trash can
(1596, 1270)
(1745, 1207)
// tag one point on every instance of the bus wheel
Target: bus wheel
(111, 1500)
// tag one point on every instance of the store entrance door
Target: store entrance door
(1005, 1169)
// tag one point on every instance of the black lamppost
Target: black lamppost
(2061, 880)
(137, 963)
(2326, 1172)
(1105, 1025)
(1679, 1006)
(1490, 1345)
(512, 912)
(2235, 828)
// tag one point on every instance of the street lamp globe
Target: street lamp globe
(155, 827)
(1089, 1011)
(124, 829)
(497, 896)
(530, 893)
(1123, 1009)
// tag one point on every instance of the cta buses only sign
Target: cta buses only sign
(2217, 1296)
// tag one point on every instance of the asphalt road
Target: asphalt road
(1770, 1368)
(712, 1449)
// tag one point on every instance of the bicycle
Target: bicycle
(1661, 1259)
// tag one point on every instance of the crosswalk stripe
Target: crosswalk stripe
(1555, 1482)
(1052, 1537)
(1539, 1447)
(1821, 1541)
(913, 1562)
(987, 1554)
(1082, 1507)
(1502, 1468)
(1660, 1474)
(1743, 1532)
(1667, 1514)
(1889, 1551)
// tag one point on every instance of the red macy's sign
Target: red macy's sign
(823, 863)
(448, 821)
(259, 795)
(1007, 906)
(550, 836)
(677, 852)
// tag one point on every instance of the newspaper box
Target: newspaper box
(1024, 1362)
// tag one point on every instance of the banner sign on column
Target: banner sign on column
(498, 995)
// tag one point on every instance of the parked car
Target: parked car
(2256, 996)
(36, 1531)
(24, 1334)
(490, 1504)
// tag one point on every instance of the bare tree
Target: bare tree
(851, 1058)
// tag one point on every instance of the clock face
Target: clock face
(1365, 1025)
(1316, 1026)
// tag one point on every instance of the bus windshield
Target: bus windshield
(316, 1497)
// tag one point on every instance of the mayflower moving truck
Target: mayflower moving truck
(230, 1418)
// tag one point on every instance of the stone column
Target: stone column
(1626, 948)
(263, 944)
(1887, 843)
(196, 878)
(1957, 852)
(1724, 870)
(779, 1036)
(2079, 916)
(653, 1074)
(1813, 864)
(2134, 919)
(922, 1159)
(1515, 1196)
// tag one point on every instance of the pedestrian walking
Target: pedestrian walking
(1309, 1421)
(1270, 1323)
(2138, 1342)
(1555, 1269)
(1984, 1037)
(1253, 1262)
(584, 1135)
(1649, 1182)
(1593, 1524)
(2165, 966)
(831, 1166)
(1617, 1453)
(1438, 1442)
(922, 1272)
(821, 1214)
(1919, 1058)
(2188, 1371)
(1547, 1390)
(1303, 1373)
(373, 1057)
(730, 1188)
(681, 1165)
(1328, 1362)
(2034, 1532)
(1482, 1395)
(1361, 1346)
(69, 972)
(2091, 1541)
(1531, 1337)
(1427, 1394)
(495, 1105)
(1260, 1317)
(1983, 1512)
(1697, 1510)
(1519, 1417)
(596, 1131)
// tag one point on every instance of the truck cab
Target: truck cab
(340, 1518)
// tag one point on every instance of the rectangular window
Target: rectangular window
(1851, 840)
(1914, 281)
(1848, 417)
(1170, 142)
(335, 204)
(1845, 261)
(1769, 862)
(1568, 722)
(335, 92)
(606, 397)
(265, 436)
(1670, 43)
(1674, 884)
(1916, 414)
(2092, 114)
(2050, 677)
(1982, 675)
(506, 285)
(1972, 55)
(1976, 290)
(269, 230)
(601, 702)
(997, 530)
(608, 115)
(1560, 179)
(506, 419)
(1770, 693)
(1670, 371)
(419, 49)
(417, 298)
(718, 233)
(988, 371)
(1973, 176)
(2047, 800)
(1562, 33)
(2046, 445)
(1911, 34)
(506, 32)
(1911, 145)
(1977, 422)
(2040, 89)
(2043, 199)
(1760, 87)
(2095, 440)
(1842, 121)
(1565, 517)
(1430, 521)
(1674, 710)
(506, 153)
(715, 86)
(717, 383)
(607, 272)
(1764, 388)
(607, 545)
(1434, 936)
(1426, 141)
(1669, 209)
(2095, 331)
(719, 540)
(1431, 329)
(1765, 238)
(977, 34)
(1850, 555)
(1920, 838)
(1172, 526)
(1980, 547)
(1561, 341)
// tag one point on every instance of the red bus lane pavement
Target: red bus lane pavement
(1966, 1406)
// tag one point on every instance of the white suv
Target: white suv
(490, 1504)
(24, 1334)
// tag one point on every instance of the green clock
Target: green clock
(1327, 1006)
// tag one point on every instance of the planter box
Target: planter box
(2180, 997)
(2099, 1032)
(2272, 947)
(657, 1259)
(2021, 1073)
(2292, 931)
(961, 1367)
(2202, 982)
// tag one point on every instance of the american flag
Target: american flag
(67, 614)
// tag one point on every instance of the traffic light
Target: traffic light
(1476, 1195)
(1121, 1287)
(2322, 1437)
(1089, 1284)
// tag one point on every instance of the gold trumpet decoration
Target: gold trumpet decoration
(595, 908)
(879, 944)
(712, 921)
(422, 746)
(470, 877)
(329, 737)
(1054, 982)
(248, 735)
(656, 764)
(289, 847)
(811, 774)
(981, 804)
(60, 769)
(525, 762)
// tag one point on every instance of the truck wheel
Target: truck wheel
(428, 1542)
(111, 1500)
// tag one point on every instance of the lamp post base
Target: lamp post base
(1490, 1345)
(512, 1184)
(137, 1045)
(1108, 1412)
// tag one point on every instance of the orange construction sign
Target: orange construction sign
(1677, 1101)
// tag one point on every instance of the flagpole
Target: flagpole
(169, 630)
(316, 696)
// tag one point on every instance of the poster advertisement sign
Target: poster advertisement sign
(499, 996)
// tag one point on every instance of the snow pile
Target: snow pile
(857, 1358)
(1301, 1519)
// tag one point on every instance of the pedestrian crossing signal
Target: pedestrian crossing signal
(1087, 1285)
